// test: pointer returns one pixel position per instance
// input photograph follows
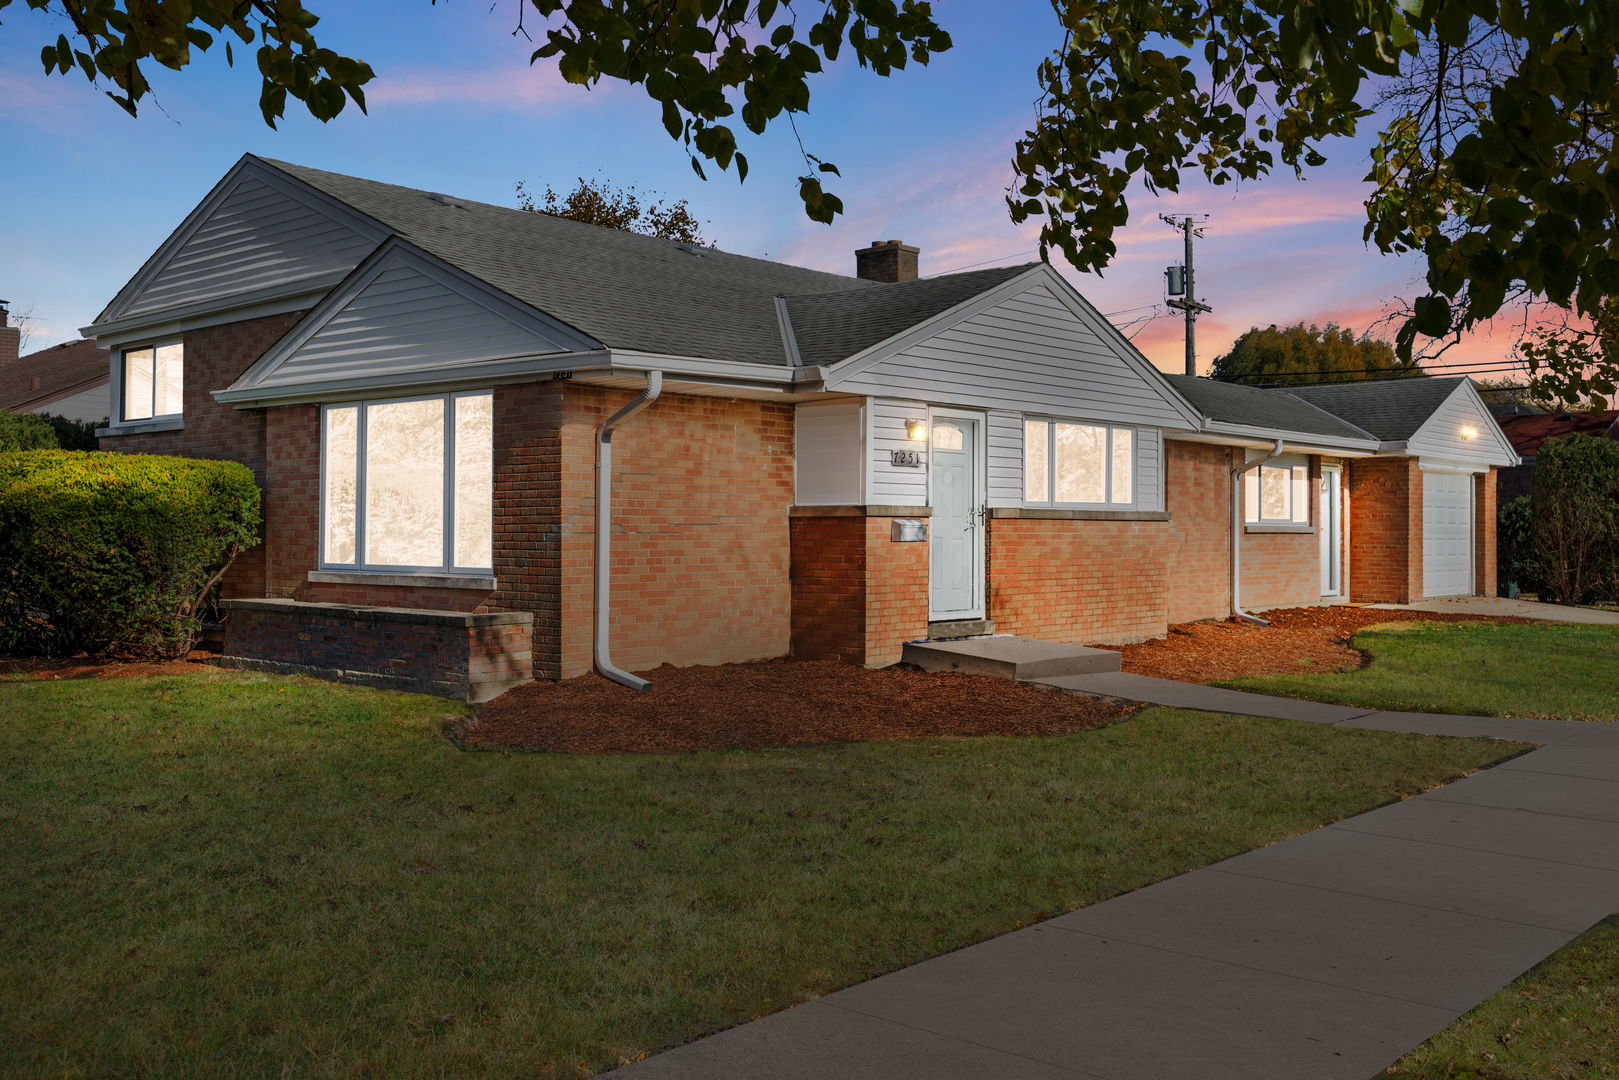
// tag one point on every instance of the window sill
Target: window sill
(1053, 513)
(1253, 527)
(137, 427)
(419, 581)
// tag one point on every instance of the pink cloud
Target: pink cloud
(513, 87)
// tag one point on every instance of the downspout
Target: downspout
(604, 533)
(1237, 473)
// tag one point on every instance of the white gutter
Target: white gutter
(1237, 473)
(604, 533)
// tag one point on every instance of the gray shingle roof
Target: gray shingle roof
(634, 292)
(1391, 409)
(1232, 403)
(833, 326)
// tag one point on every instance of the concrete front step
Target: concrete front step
(956, 629)
(1008, 657)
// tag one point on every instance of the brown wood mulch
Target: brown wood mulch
(99, 667)
(775, 703)
(1298, 640)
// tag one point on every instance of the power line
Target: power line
(1393, 373)
(986, 262)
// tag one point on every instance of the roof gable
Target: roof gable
(257, 233)
(1462, 429)
(1390, 409)
(402, 318)
(1030, 344)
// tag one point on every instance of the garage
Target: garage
(1447, 534)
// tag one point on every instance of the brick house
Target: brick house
(797, 462)
(70, 379)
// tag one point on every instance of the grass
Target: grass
(1558, 1022)
(1562, 672)
(234, 875)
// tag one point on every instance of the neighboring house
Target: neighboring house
(421, 383)
(68, 380)
(1528, 431)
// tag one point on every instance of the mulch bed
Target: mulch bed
(95, 667)
(775, 703)
(1298, 640)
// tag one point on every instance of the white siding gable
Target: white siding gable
(1032, 350)
(888, 484)
(405, 312)
(92, 404)
(1442, 435)
(257, 231)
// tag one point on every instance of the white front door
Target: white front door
(1332, 547)
(956, 528)
(1447, 534)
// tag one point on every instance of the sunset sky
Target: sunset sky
(89, 193)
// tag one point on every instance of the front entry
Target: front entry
(956, 528)
(1332, 547)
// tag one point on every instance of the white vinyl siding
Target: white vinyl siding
(1030, 352)
(92, 404)
(889, 484)
(1005, 459)
(258, 236)
(406, 319)
(1149, 469)
(1461, 430)
(407, 484)
(828, 453)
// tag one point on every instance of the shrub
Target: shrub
(115, 553)
(1575, 510)
(25, 431)
(74, 434)
(1515, 548)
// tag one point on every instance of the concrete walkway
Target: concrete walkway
(1325, 956)
(1524, 609)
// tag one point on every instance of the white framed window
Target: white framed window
(1071, 464)
(407, 484)
(150, 379)
(1278, 493)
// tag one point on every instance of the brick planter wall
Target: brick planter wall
(452, 654)
(1077, 581)
(857, 595)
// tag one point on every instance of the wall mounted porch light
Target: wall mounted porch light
(1468, 431)
(916, 430)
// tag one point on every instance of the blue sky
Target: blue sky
(88, 193)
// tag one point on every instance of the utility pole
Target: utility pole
(1182, 283)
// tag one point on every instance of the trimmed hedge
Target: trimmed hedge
(115, 553)
(25, 431)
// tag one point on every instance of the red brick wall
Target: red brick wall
(1197, 490)
(1078, 581)
(1385, 530)
(215, 357)
(857, 594)
(1280, 570)
(1484, 509)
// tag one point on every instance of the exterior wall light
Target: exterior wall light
(916, 430)
(1468, 431)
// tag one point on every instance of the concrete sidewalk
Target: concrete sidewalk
(1325, 956)
(1524, 609)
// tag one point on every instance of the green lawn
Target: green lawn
(234, 875)
(1558, 1022)
(1473, 669)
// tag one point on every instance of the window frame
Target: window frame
(449, 568)
(121, 370)
(1051, 502)
(1253, 494)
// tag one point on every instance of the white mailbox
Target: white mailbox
(908, 529)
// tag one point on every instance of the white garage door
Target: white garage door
(1447, 548)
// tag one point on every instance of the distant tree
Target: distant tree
(1574, 507)
(1300, 354)
(599, 202)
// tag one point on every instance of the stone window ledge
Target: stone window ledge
(364, 613)
(861, 511)
(138, 427)
(1253, 528)
(419, 581)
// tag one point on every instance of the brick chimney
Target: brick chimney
(10, 337)
(886, 260)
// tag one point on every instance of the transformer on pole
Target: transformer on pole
(1179, 281)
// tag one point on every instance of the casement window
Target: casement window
(408, 484)
(1278, 493)
(1088, 465)
(151, 378)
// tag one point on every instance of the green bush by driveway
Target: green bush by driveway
(1560, 672)
(234, 875)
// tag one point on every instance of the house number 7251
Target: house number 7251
(905, 459)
